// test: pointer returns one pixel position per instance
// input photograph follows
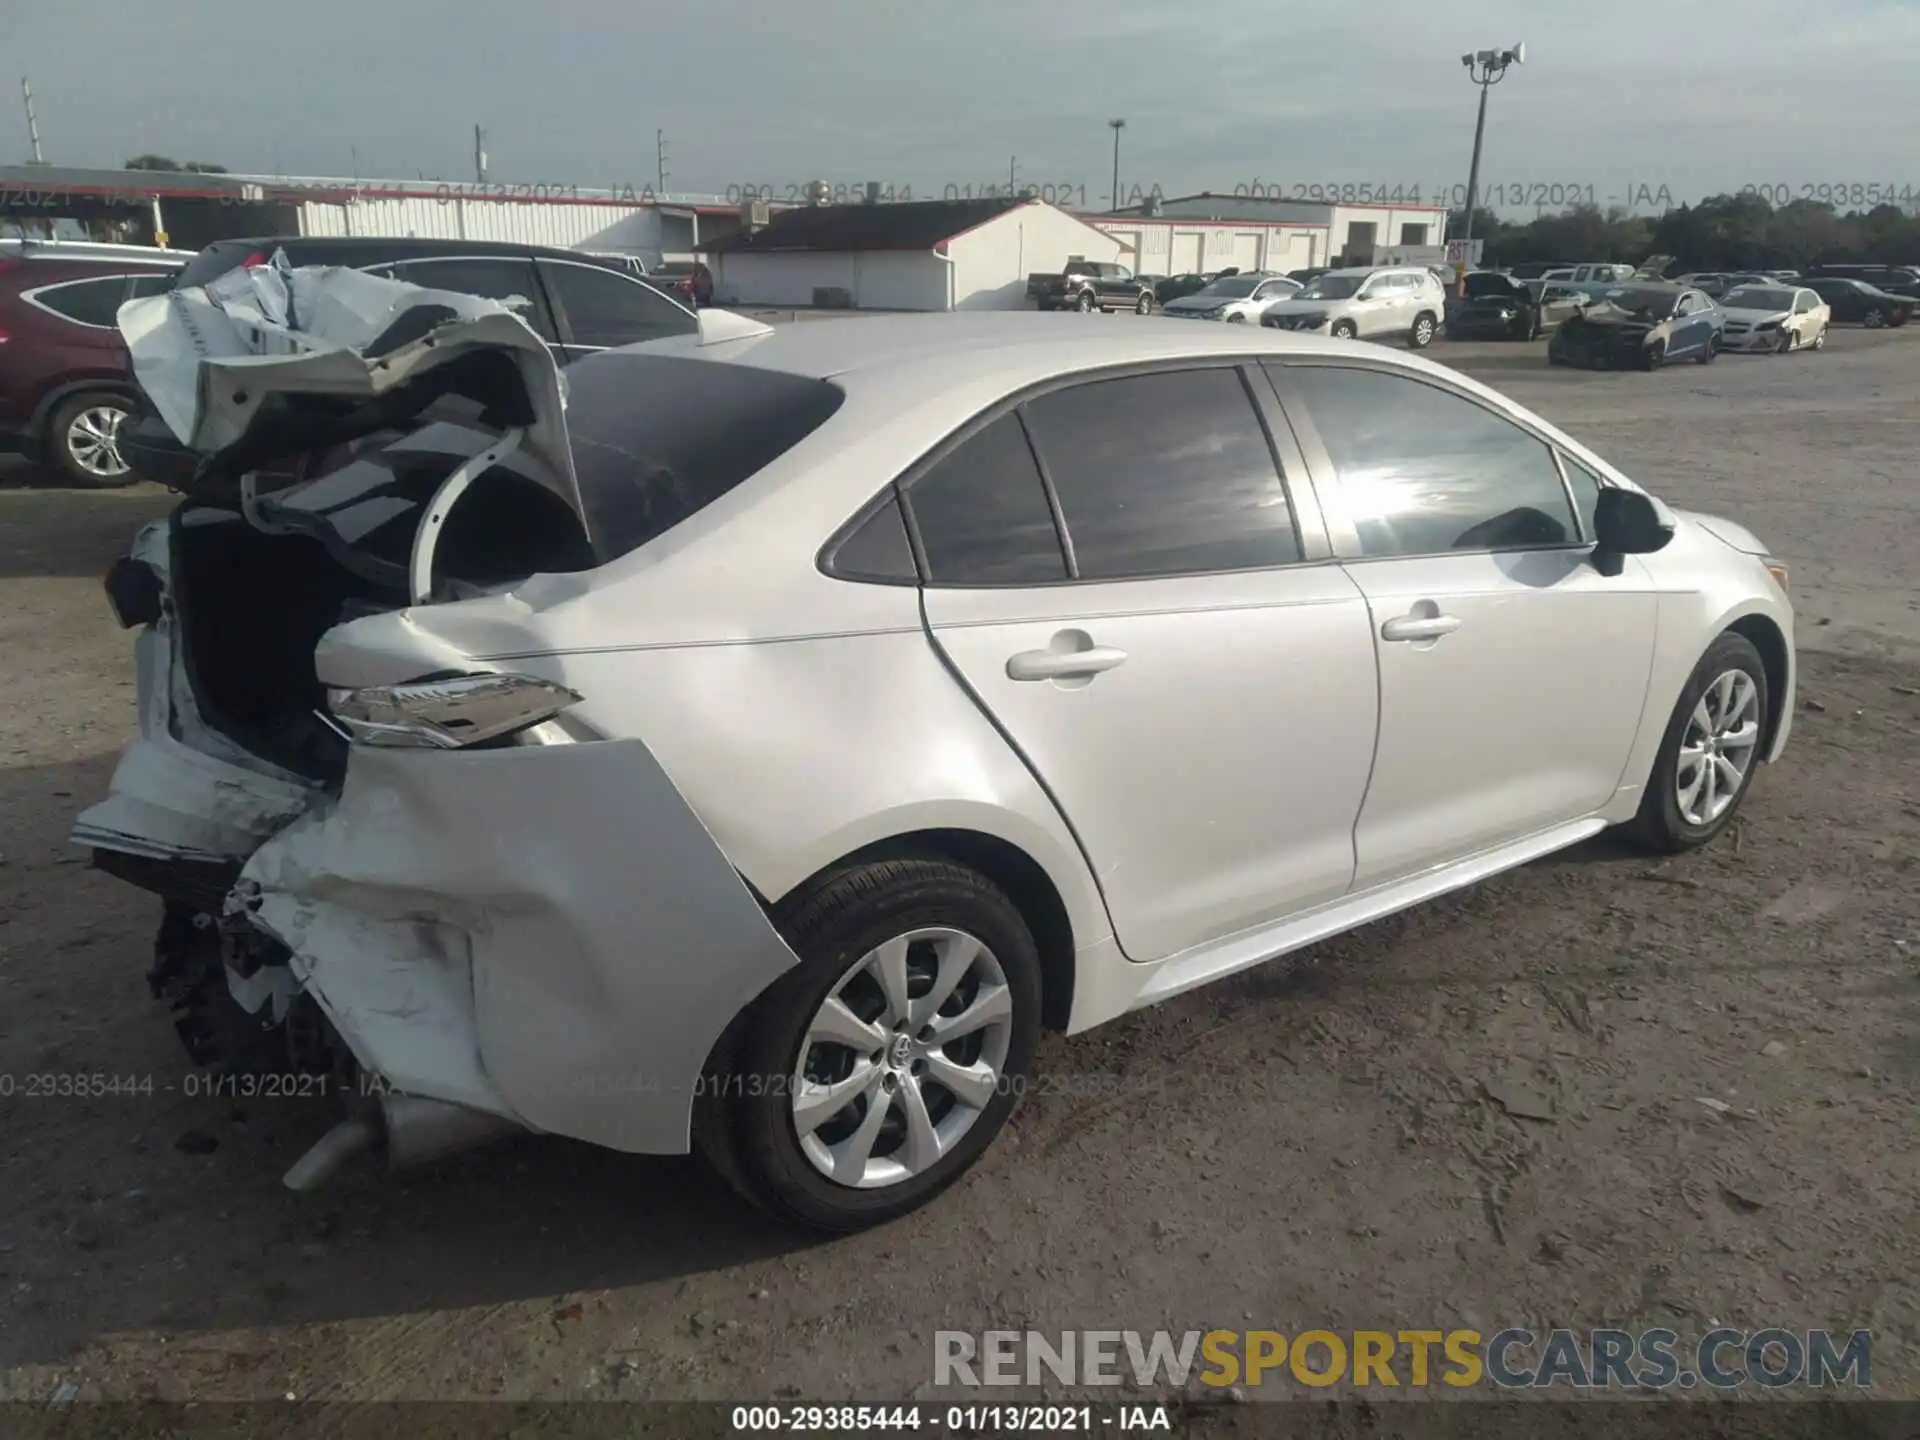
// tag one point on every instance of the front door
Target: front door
(1512, 672)
(1190, 679)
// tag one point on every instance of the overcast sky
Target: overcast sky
(1698, 96)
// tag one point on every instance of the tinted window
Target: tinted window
(1163, 475)
(878, 549)
(1423, 471)
(505, 279)
(1586, 493)
(983, 516)
(658, 438)
(145, 285)
(602, 308)
(91, 302)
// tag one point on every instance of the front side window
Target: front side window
(1164, 474)
(1586, 487)
(983, 515)
(1423, 471)
(605, 309)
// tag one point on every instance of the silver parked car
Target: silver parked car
(757, 754)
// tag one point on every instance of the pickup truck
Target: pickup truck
(1090, 285)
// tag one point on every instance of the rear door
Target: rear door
(1118, 572)
(1512, 672)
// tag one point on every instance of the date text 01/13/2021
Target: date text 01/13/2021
(977, 1419)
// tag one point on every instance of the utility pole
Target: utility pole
(33, 122)
(1485, 68)
(1117, 126)
(660, 161)
(479, 155)
(1013, 174)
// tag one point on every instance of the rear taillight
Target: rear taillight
(258, 257)
(446, 713)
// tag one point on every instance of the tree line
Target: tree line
(1722, 232)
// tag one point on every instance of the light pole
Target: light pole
(1116, 126)
(1486, 68)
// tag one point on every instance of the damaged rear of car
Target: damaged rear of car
(355, 708)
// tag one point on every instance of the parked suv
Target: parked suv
(65, 386)
(578, 303)
(1372, 302)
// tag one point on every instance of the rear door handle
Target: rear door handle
(1063, 664)
(1419, 627)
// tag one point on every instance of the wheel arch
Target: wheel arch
(1022, 878)
(54, 398)
(1767, 638)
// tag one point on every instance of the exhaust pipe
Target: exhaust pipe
(410, 1129)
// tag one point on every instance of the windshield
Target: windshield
(1656, 303)
(1754, 297)
(1234, 287)
(1332, 287)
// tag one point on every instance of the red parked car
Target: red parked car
(66, 385)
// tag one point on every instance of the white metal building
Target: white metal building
(1202, 233)
(912, 255)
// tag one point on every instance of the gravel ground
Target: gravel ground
(1315, 1144)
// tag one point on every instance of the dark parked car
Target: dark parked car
(1639, 327)
(1178, 287)
(577, 303)
(1855, 302)
(65, 389)
(1090, 285)
(1494, 307)
(1310, 274)
(1535, 269)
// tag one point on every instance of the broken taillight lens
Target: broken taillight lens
(258, 257)
(448, 712)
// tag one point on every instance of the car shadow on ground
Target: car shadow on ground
(75, 532)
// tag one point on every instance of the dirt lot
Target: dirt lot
(1322, 1150)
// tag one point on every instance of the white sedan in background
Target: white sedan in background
(1236, 299)
(756, 753)
(1773, 319)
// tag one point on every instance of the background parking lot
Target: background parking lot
(1601, 1090)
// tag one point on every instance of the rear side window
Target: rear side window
(657, 438)
(599, 307)
(148, 285)
(502, 278)
(983, 515)
(1164, 474)
(90, 302)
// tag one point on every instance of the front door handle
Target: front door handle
(1419, 627)
(1063, 664)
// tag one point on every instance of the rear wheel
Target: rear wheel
(869, 1079)
(1421, 335)
(1710, 751)
(1343, 330)
(1086, 302)
(83, 440)
(1874, 318)
(1144, 305)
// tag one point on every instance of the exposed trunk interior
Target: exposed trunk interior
(251, 606)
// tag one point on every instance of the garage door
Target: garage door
(1129, 249)
(1186, 254)
(1246, 250)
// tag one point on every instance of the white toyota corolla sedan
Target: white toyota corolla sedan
(1774, 319)
(755, 753)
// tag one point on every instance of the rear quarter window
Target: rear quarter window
(658, 438)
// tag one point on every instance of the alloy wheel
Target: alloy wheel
(93, 440)
(1717, 750)
(1874, 319)
(907, 1050)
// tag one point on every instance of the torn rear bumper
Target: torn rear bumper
(544, 933)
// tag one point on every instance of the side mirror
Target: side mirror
(1625, 522)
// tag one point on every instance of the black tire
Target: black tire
(1874, 318)
(1660, 826)
(1086, 302)
(63, 441)
(1343, 330)
(1421, 335)
(1144, 305)
(746, 1131)
(1656, 355)
(1709, 350)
